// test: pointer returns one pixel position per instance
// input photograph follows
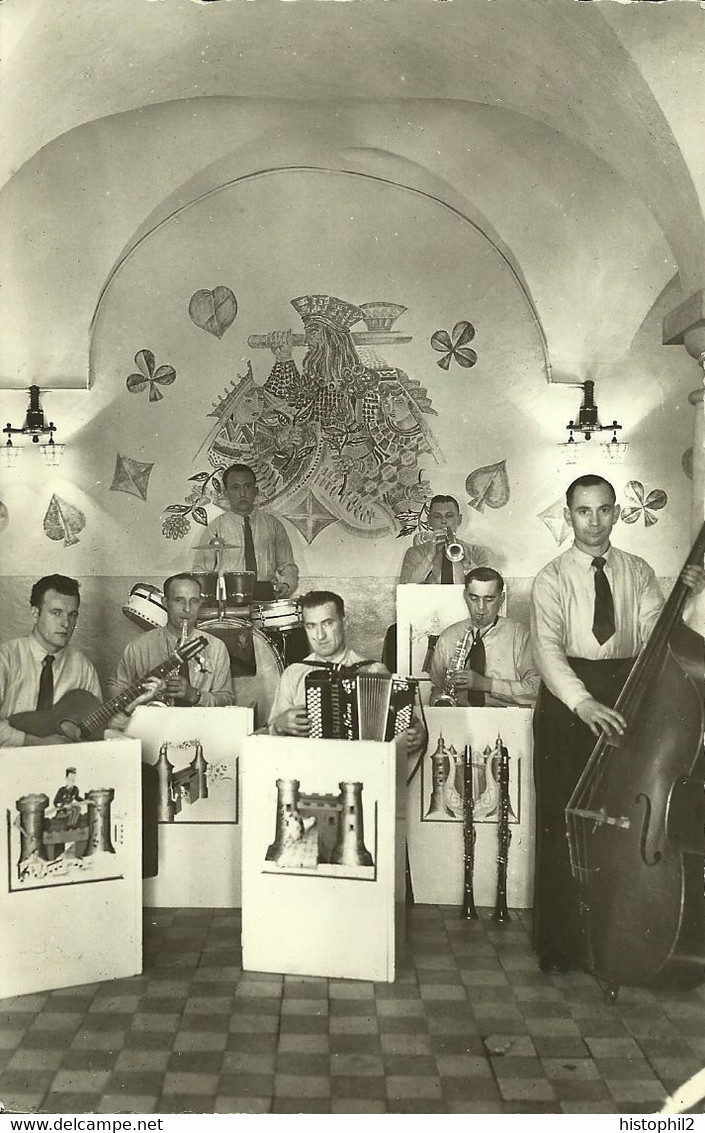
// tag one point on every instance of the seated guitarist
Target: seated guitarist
(204, 680)
(36, 670)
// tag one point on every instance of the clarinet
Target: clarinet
(468, 911)
(504, 834)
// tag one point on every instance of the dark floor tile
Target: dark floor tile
(196, 1061)
(146, 1040)
(136, 1082)
(560, 1047)
(360, 1086)
(255, 1044)
(457, 1044)
(308, 1064)
(89, 1059)
(304, 1024)
(301, 1105)
(355, 1044)
(69, 1103)
(415, 1105)
(569, 1089)
(305, 989)
(246, 1085)
(410, 1064)
(485, 1089)
(185, 1103)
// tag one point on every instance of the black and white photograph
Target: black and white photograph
(352, 470)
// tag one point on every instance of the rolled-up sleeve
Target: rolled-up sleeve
(286, 568)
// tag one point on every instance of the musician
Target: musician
(253, 539)
(325, 624)
(592, 610)
(427, 560)
(38, 669)
(497, 667)
(205, 679)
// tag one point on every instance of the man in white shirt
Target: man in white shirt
(427, 561)
(37, 670)
(203, 680)
(324, 622)
(252, 539)
(494, 666)
(592, 611)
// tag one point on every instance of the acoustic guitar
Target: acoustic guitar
(80, 716)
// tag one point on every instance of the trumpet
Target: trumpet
(452, 549)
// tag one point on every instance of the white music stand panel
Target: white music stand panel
(301, 913)
(434, 809)
(197, 751)
(71, 872)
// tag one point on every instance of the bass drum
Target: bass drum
(259, 689)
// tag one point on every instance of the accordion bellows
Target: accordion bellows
(366, 706)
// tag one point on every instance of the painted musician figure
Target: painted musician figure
(251, 539)
(484, 659)
(203, 680)
(325, 625)
(592, 611)
(38, 669)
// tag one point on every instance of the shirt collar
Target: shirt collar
(490, 628)
(39, 652)
(583, 559)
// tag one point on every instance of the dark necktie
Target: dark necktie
(446, 571)
(45, 699)
(476, 661)
(250, 558)
(603, 626)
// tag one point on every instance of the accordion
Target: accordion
(364, 706)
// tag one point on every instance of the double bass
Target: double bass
(636, 820)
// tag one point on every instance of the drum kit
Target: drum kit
(258, 634)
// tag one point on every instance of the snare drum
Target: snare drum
(260, 688)
(284, 613)
(145, 606)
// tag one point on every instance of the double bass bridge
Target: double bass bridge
(601, 818)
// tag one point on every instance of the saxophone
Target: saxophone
(449, 697)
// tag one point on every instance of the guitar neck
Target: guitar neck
(97, 721)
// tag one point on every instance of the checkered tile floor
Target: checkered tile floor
(470, 1026)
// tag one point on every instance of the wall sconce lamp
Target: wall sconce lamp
(588, 422)
(35, 426)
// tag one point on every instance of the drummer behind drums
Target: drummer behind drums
(247, 538)
(204, 680)
(325, 625)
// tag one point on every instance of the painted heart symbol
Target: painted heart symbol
(214, 310)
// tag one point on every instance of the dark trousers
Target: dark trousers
(562, 746)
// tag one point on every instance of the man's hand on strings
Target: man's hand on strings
(600, 719)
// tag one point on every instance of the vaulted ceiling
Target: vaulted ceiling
(570, 133)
